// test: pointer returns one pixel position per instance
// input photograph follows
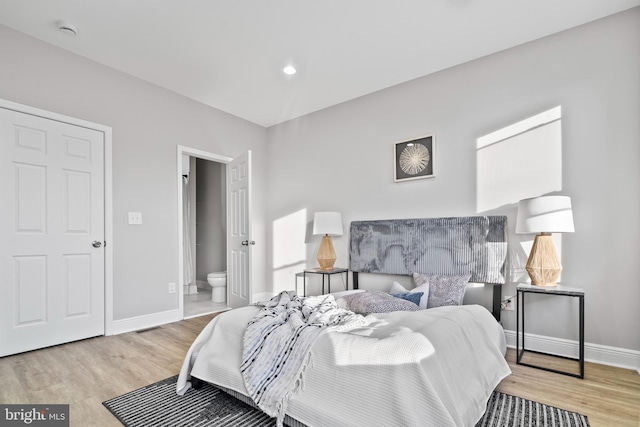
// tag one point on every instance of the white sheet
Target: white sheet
(430, 367)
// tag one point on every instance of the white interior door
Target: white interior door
(51, 274)
(239, 243)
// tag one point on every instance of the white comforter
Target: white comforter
(433, 367)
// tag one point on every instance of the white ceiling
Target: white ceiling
(229, 54)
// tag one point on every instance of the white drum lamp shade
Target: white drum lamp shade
(327, 224)
(544, 215)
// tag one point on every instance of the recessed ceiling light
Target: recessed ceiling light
(289, 70)
(67, 28)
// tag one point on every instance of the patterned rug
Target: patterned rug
(158, 405)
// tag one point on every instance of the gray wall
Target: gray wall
(148, 123)
(211, 218)
(341, 159)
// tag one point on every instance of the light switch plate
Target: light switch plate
(135, 218)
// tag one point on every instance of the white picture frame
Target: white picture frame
(414, 158)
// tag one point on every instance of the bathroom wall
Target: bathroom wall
(211, 218)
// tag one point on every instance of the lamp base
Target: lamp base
(326, 254)
(543, 264)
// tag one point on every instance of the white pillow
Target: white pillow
(397, 288)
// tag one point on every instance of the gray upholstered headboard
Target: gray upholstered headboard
(458, 245)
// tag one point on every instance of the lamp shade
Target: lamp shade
(546, 214)
(329, 223)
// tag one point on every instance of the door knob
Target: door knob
(96, 243)
(247, 243)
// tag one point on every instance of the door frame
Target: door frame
(108, 194)
(192, 152)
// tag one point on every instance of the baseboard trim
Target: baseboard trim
(596, 353)
(156, 319)
(145, 321)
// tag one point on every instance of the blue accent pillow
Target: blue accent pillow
(414, 297)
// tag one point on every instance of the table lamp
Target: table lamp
(544, 215)
(329, 224)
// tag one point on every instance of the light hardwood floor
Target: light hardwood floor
(86, 373)
(609, 396)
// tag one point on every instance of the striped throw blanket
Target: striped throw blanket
(277, 346)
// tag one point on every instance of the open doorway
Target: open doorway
(203, 226)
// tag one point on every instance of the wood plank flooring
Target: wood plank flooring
(609, 396)
(86, 373)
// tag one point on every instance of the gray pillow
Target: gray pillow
(375, 302)
(444, 290)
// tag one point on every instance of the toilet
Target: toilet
(218, 283)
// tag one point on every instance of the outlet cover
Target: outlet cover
(172, 288)
(509, 303)
(135, 218)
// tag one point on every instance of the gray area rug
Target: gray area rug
(158, 405)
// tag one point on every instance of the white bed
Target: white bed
(435, 367)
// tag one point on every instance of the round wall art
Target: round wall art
(413, 159)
